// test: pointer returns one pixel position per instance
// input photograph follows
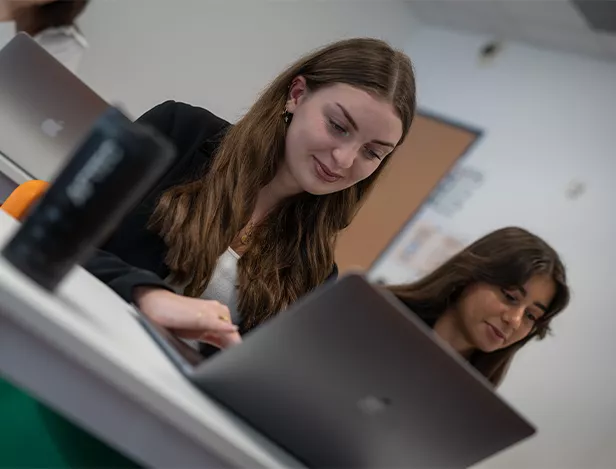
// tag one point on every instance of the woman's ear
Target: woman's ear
(297, 93)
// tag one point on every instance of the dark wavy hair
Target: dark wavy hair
(507, 257)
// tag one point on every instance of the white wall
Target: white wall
(217, 54)
(548, 118)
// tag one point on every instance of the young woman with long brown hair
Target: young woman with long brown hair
(492, 298)
(258, 205)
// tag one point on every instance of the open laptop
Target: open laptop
(350, 378)
(45, 110)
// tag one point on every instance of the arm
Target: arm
(120, 276)
(192, 318)
(186, 126)
(109, 268)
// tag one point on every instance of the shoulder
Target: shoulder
(180, 121)
(188, 113)
(195, 132)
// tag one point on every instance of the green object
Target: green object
(34, 436)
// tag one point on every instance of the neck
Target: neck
(448, 328)
(281, 187)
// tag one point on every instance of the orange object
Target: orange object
(23, 197)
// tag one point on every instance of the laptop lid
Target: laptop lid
(45, 109)
(349, 377)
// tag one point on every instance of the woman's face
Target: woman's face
(338, 136)
(492, 318)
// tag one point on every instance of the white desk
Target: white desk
(83, 353)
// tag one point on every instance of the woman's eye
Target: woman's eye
(372, 154)
(508, 296)
(531, 316)
(338, 128)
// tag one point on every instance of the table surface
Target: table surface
(82, 352)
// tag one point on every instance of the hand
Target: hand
(189, 318)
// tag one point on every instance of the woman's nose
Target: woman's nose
(513, 316)
(344, 156)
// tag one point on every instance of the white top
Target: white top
(223, 284)
(93, 327)
(66, 44)
(222, 287)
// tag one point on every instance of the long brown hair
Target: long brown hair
(507, 257)
(292, 251)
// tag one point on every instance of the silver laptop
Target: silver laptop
(45, 110)
(350, 378)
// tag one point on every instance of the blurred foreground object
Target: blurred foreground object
(106, 176)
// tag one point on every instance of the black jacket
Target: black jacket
(133, 255)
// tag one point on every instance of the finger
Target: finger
(221, 309)
(215, 322)
(211, 339)
(228, 340)
(221, 340)
(196, 319)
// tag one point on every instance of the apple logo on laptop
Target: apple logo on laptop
(52, 127)
(372, 405)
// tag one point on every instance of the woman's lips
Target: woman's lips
(496, 333)
(324, 173)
